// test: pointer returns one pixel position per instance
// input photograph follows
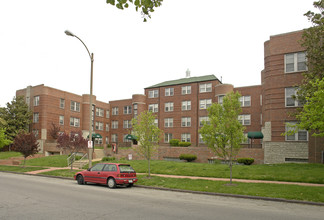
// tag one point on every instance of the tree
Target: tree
(4, 141)
(25, 143)
(147, 6)
(148, 135)
(224, 133)
(54, 131)
(17, 116)
(310, 91)
(72, 143)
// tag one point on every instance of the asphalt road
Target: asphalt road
(35, 197)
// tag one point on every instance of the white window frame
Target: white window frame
(202, 119)
(186, 105)
(296, 103)
(153, 107)
(107, 127)
(167, 137)
(201, 141)
(61, 120)
(245, 119)
(186, 90)
(114, 124)
(114, 138)
(186, 137)
(127, 110)
(62, 103)
(295, 61)
(169, 91)
(36, 100)
(74, 122)
(168, 122)
(156, 122)
(168, 107)
(75, 106)
(127, 124)
(36, 117)
(205, 103)
(206, 87)
(99, 112)
(153, 93)
(221, 99)
(99, 125)
(114, 111)
(245, 101)
(107, 113)
(185, 121)
(296, 136)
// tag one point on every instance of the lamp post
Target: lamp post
(91, 79)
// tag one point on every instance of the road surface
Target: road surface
(36, 197)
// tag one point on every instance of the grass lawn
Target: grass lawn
(63, 173)
(19, 169)
(50, 161)
(291, 192)
(9, 154)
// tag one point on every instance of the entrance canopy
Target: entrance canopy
(131, 137)
(255, 134)
(94, 135)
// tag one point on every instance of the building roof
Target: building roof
(184, 81)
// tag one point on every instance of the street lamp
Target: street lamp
(91, 79)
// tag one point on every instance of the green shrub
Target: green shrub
(246, 161)
(174, 142)
(184, 144)
(108, 159)
(188, 157)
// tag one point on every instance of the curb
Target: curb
(194, 192)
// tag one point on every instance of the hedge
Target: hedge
(188, 157)
(246, 161)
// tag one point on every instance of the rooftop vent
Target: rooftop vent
(188, 73)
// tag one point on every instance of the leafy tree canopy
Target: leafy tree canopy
(17, 116)
(4, 141)
(147, 6)
(148, 135)
(25, 143)
(224, 133)
(311, 89)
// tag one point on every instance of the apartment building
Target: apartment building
(180, 107)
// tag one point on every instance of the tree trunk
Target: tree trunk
(149, 168)
(24, 162)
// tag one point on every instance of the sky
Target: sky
(223, 38)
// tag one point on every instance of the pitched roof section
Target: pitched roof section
(184, 81)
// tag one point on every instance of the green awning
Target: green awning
(255, 134)
(94, 135)
(131, 137)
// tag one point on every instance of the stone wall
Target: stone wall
(282, 152)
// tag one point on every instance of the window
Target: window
(62, 103)
(295, 62)
(169, 91)
(245, 101)
(201, 141)
(99, 112)
(99, 126)
(300, 135)
(98, 141)
(207, 87)
(107, 113)
(168, 107)
(261, 100)
(107, 127)
(114, 111)
(127, 124)
(153, 94)
(156, 122)
(36, 100)
(205, 103)
(290, 94)
(61, 120)
(167, 137)
(153, 107)
(246, 141)
(220, 99)
(203, 119)
(75, 122)
(186, 105)
(135, 110)
(185, 137)
(168, 122)
(244, 119)
(75, 106)
(114, 124)
(127, 110)
(36, 117)
(107, 140)
(185, 90)
(185, 122)
(114, 138)
(35, 132)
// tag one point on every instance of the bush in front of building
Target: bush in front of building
(184, 144)
(188, 157)
(245, 161)
(174, 142)
(108, 159)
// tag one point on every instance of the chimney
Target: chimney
(187, 73)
